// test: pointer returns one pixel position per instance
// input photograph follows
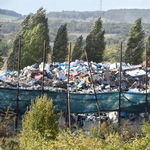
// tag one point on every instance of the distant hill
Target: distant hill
(116, 15)
(9, 13)
(128, 15)
(115, 22)
(75, 14)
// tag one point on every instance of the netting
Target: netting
(79, 103)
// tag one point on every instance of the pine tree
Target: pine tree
(1, 53)
(60, 50)
(135, 44)
(77, 51)
(95, 43)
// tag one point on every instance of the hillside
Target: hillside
(6, 18)
(116, 22)
(9, 13)
(116, 15)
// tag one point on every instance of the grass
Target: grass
(5, 18)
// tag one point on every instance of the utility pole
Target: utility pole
(100, 5)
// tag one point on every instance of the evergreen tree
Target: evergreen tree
(1, 53)
(135, 44)
(12, 63)
(77, 51)
(95, 43)
(37, 31)
(33, 32)
(60, 50)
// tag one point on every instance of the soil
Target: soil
(5, 63)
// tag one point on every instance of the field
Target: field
(86, 34)
(5, 18)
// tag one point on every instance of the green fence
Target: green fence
(79, 103)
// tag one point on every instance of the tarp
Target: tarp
(79, 103)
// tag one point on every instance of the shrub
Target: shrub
(6, 119)
(39, 124)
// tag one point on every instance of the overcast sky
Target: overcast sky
(25, 7)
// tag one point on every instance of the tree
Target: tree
(112, 53)
(34, 30)
(77, 51)
(1, 53)
(40, 124)
(37, 31)
(135, 44)
(4, 48)
(95, 43)
(12, 63)
(60, 50)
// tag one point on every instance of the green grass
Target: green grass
(5, 16)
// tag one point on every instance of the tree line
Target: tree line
(34, 30)
(77, 26)
(116, 15)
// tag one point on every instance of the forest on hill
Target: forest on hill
(116, 15)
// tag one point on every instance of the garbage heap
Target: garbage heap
(106, 77)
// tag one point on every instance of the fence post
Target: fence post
(93, 85)
(43, 66)
(120, 83)
(68, 88)
(146, 85)
(16, 122)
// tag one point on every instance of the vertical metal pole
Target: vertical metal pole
(66, 112)
(18, 85)
(68, 88)
(43, 66)
(120, 83)
(146, 86)
(93, 85)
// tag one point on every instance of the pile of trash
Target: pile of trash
(105, 77)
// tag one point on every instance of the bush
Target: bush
(39, 125)
(6, 119)
(40, 131)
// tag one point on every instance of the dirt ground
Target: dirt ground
(5, 63)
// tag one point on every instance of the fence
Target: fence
(79, 103)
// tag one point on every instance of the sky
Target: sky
(25, 7)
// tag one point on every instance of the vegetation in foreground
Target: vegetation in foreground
(41, 131)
